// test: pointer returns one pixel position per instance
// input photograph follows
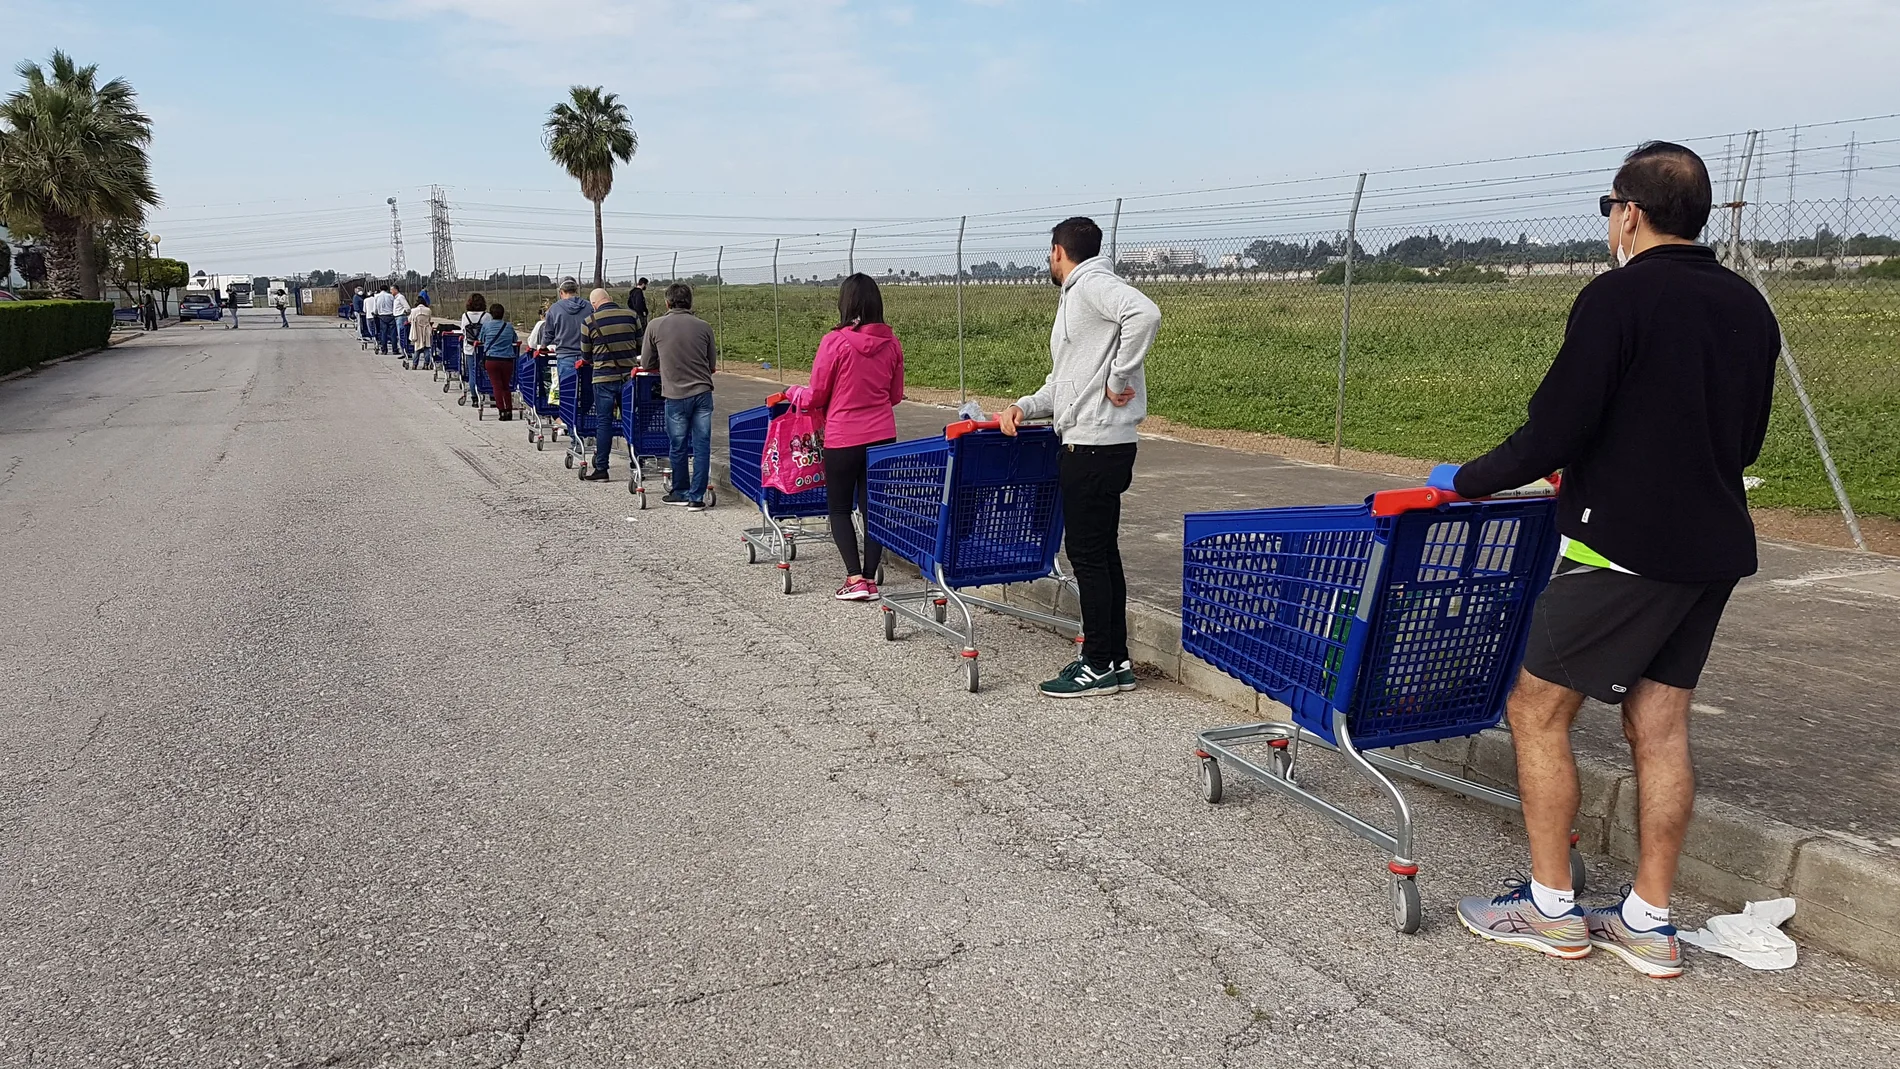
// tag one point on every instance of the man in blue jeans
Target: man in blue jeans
(610, 347)
(680, 345)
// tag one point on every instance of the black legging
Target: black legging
(846, 487)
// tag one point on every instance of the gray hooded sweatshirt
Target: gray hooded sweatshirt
(562, 328)
(1099, 342)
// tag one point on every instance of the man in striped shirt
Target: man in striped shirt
(610, 350)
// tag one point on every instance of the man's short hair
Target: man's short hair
(679, 295)
(1671, 184)
(1079, 237)
(600, 297)
(568, 285)
(642, 282)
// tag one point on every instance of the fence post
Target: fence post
(636, 267)
(1114, 232)
(1800, 387)
(676, 267)
(851, 258)
(778, 334)
(719, 313)
(961, 388)
(1345, 321)
(1737, 199)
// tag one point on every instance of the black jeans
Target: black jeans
(845, 487)
(1094, 477)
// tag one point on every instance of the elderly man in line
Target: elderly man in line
(610, 351)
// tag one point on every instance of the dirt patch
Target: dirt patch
(1786, 525)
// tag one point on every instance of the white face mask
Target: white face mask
(1623, 254)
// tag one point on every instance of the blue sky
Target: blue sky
(281, 128)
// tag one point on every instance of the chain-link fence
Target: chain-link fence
(1410, 317)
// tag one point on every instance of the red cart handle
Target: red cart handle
(964, 426)
(776, 399)
(1417, 498)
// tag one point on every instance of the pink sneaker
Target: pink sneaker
(859, 590)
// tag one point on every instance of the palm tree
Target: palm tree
(72, 154)
(585, 135)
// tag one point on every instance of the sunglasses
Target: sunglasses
(1604, 202)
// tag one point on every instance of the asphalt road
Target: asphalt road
(343, 730)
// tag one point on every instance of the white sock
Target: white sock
(1641, 916)
(1552, 902)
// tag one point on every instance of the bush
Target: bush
(1887, 268)
(1376, 271)
(32, 332)
(1820, 273)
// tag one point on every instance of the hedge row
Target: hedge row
(32, 332)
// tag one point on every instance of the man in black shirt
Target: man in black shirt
(1656, 402)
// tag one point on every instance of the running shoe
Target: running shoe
(857, 590)
(1079, 680)
(1653, 953)
(696, 506)
(675, 499)
(1125, 676)
(1513, 918)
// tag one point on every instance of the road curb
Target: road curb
(1849, 896)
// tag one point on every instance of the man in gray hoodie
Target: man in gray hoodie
(1096, 392)
(562, 327)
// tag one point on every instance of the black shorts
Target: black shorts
(1598, 631)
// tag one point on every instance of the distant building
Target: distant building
(1161, 257)
(1233, 260)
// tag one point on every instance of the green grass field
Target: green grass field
(1435, 371)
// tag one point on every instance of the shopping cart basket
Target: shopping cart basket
(448, 348)
(643, 425)
(366, 330)
(477, 390)
(577, 419)
(1396, 621)
(786, 518)
(534, 374)
(970, 508)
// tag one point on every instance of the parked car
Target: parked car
(6, 296)
(199, 306)
(128, 314)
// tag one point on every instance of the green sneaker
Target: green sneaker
(1078, 680)
(1125, 676)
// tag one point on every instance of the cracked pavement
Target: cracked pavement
(344, 730)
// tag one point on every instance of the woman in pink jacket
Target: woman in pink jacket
(856, 382)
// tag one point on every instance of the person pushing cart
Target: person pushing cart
(1097, 395)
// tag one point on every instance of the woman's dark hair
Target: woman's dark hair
(859, 302)
(476, 303)
(496, 311)
(1671, 184)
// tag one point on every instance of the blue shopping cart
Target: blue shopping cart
(406, 346)
(643, 425)
(577, 419)
(534, 378)
(477, 390)
(448, 356)
(366, 331)
(787, 518)
(1396, 621)
(972, 507)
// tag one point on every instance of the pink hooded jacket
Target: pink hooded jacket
(856, 382)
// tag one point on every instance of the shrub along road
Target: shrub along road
(344, 730)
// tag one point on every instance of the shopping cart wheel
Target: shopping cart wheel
(791, 547)
(445, 387)
(530, 435)
(1210, 780)
(1281, 759)
(939, 609)
(462, 401)
(879, 577)
(1579, 875)
(1406, 912)
(970, 673)
(785, 570)
(569, 461)
(890, 626)
(751, 552)
(478, 412)
(711, 498)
